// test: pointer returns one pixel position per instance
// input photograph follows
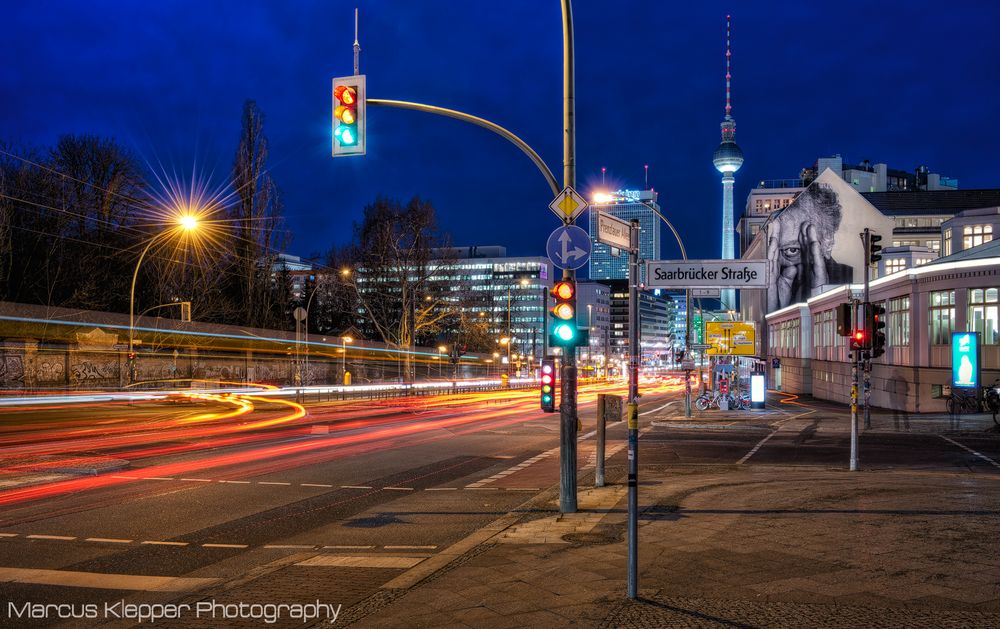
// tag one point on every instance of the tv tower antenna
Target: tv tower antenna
(729, 74)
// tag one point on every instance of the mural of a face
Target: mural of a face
(799, 248)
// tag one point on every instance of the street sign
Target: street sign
(699, 346)
(568, 204)
(706, 293)
(300, 314)
(706, 274)
(568, 247)
(730, 338)
(687, 365)
(613, 231)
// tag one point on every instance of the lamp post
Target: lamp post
(183, 224)
(441, 350)
(344, 340)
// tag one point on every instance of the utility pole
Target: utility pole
(866, 240)
(633, 411)
(567, 404)
(855, 360)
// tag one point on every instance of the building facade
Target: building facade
(627, 205)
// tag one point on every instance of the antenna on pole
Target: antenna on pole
(646, 168)
(357, 46)
(603, 170)
(729, 75)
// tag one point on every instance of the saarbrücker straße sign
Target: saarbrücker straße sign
(706, 274)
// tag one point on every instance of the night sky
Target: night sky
(905, 83)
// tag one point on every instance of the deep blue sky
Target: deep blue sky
(906, 83)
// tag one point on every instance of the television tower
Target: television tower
(727, 159)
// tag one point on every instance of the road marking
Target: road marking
(102, 580)
(290, 546)
(265, 482)
(196, 480)
(753, 450)
(315, 485)
(657, 410)
(778, 427)
(355, 487)
(156, 478)
(351, 561)
(58, 537)
(225, 545)
(441, 488)
(348, 547)
(971, 451)
(8, 534)
(109, 540)
(409, 547)
(398, 488)
(159, 543)
(236, 482)
(523, 489)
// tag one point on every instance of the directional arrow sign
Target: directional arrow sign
(568, 247)
(568, 204)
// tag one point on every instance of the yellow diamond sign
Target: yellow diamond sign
(568, 204)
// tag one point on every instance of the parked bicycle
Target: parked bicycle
(709, 400)
(963, 401)
(992, 399)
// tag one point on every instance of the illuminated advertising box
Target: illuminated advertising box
(964, 360)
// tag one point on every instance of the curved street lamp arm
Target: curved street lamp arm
(131, 300)
(486, 124)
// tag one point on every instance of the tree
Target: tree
(398, 279)
(255, 220)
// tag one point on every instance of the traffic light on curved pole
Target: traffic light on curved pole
(876, 323)
(349, 115)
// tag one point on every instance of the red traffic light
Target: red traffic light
(564, 290)
(859, 335)
(346, 94)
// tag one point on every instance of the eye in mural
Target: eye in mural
(800, 243)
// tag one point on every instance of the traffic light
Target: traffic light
(564, 331)
(349, 115)
(845, 319)
(548, 398)
(859, 339)
(872, 248)
(876, 323)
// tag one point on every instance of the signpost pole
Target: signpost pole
(689, 355)
(871, 334)
(855, 359)
(633, 412)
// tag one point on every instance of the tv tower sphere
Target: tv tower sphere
(728, 157)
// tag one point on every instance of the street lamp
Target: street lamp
(186, 223)
(344, 340)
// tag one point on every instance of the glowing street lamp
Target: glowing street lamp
(184, 224)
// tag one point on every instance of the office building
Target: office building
(627, 205)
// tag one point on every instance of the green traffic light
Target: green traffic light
(564, 332)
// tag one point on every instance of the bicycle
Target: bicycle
(963, 401)
(992, 399)
(706, 401)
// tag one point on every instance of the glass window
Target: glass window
(895, 265)
(898, 322)
(946, 244)
(984, 314)
(975, 235)
(942, 316)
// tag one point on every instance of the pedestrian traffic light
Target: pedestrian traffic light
(872, 248)
(876, 323)
(845, 319)
(349, 115)
(564, 331)
(859, 339)
(548, 398)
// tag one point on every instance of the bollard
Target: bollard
(601, 430)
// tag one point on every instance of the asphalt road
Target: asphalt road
(150, 502)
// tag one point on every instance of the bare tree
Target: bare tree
(254, 222)
(398, 280)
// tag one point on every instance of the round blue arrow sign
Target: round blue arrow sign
(568, 247)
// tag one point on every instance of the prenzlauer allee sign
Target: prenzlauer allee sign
(706, 274)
